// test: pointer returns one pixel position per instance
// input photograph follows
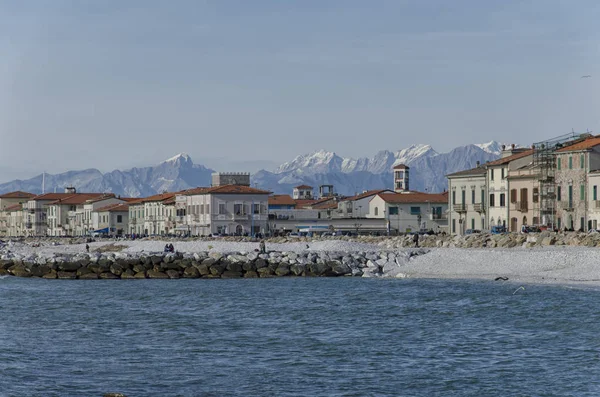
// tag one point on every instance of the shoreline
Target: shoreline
(564, 265)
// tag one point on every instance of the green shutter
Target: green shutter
(595, 192)
(582, 192)
(570, 162)
(581, 161)
(558, 164)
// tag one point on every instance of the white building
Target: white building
(229, 209)
(411, 211)
(401, 178)
(112, 219)
(467, 199)
(303, 192)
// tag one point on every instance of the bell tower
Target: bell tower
(401, 180)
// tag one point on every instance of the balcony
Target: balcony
(438, 217)
(567, 206)
(479, 208)
(240, 217)
(522, 206)
(459, 208)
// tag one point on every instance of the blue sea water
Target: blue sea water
(297, 337)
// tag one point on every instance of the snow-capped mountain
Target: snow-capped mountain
(348, 175)
(176, 173)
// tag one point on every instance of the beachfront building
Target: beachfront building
(401, 179)
(303, 192)
(357, 206)
(593, 199)
(574, 163)
(62, 213)
(112, 219)
(524, 196)
(8, 203)
(136, 217)
(412, 211)
(467, 200)
(498, 185)
(157, 213)
(227, 209)
(14, 220)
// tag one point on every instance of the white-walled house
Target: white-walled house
(357, 206)
(227, 209)
(411, 211)
(498, 185)
(467, 197)
(113, 219)
(10, 200)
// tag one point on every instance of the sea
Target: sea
(297, 337)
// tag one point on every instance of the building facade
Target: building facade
(467, 193)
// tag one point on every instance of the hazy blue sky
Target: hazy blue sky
(115, 84)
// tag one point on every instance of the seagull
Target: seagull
(587, 76)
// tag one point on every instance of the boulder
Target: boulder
(231, 274)
(174, 274)
(250, 274)
(282, 270)
(116, 269)
(50, 275)
(108, 276)
(340, 269)
(141, 274)
(88, 276)
(191, 272)
(217, 269)
(297, 269)
(66, 275)
(235, 266)
(127, 274)
(156, 274)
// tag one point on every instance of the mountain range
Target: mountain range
(349, 176)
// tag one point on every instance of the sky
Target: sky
(242, 85)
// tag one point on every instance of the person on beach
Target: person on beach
(416, 240)
(262, 247)
(87, 248)
(171, 248)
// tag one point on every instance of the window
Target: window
(492, 201)
(558, 222)
(513, 195)
(558, 193)
(536, 194)
(208, 208)
(473, 223)
(502, 174)
(453, 225)
(595, 192)
(482, 196)
(473, 196)
(415, 210)
(502, 200)
(491, 175)
(558, 164)
(570, 162)
(238, 209)
(582, 192)
(256, 209)
(119, 218)
(581, 161)
(202, 208)
(376, 211)
(453, 197)
(393, 210)
(222, 209)
(524, 193)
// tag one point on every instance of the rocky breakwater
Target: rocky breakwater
(487, 240)
(209, 265)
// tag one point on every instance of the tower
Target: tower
(401, 178)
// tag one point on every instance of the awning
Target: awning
(105, 230)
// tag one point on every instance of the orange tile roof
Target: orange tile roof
(52, 196)
(303, 187)
(301, 203)
(281, 199)
(401, 167)
(18, 194)
(366, 194)
(128, 199)
(399, 198)
(105, 196)
(510, 158)
(77, 198)
(169, 201)
(15, 207)
(158, 197)
(114, 208)
(582, 145)
(225, 189)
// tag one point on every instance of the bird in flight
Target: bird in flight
(587, 76)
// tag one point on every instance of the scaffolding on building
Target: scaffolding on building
(544, 161)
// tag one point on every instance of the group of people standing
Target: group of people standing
(169, 248)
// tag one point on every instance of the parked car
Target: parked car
(472, 231)
(498, 229)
